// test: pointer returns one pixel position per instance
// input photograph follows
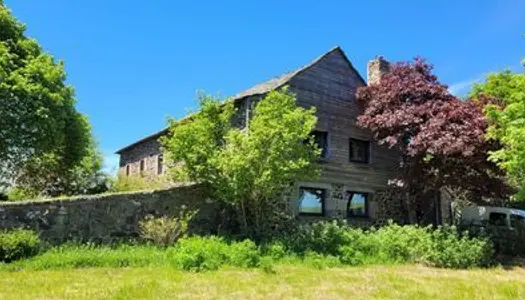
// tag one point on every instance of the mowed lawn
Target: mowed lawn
(289, 282)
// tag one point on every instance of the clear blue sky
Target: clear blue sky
(134, 63)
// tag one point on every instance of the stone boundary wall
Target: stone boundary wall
(104, 218)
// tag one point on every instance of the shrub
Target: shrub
(275, 251)
(402, 243)
(165, 231)
(451, 249)
(17, 244)
(442, 247)
(244, 254)
(352, 256)
(20, 194)
(209, 253)
(320, 237)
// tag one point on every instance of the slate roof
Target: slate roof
(259, 89)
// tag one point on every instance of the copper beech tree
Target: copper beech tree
(441, 138)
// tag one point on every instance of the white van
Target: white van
(495, 216)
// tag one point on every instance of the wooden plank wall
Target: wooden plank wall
(330, 85)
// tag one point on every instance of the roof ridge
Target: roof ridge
(266, 86)
(280, 80)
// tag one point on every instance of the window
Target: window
(127, 170)
(142, 165)
(498, 219)
(160, 162)
(517, 221)
(359, 151)
(357, 204)
(321, 140)
(311, 201)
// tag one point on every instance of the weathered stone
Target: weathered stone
(377, 68)
(106, 217)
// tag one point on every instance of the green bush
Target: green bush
(165, 231)
(244, 254)
(320, 237)
(17, 244)
(402, 243)
(275, 251)
(441, 247)
(452, 250)
(210, 253)
(21, 194)
(199, 253)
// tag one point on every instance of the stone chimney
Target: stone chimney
(376, 68)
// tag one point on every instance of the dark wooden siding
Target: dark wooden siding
(330, 85)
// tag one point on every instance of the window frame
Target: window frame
(350, 194)
(489, 220)
(142, 166)
(368, 151)
(325, 152)
(323, 201)
(512, 220)
(160, 164)
(127, 170)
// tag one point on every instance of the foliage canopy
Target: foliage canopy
(40, 129)
(440, 137)
(250, 167)
(507, 122)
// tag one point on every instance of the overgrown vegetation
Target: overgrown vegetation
(165, 231)
(441, 247)
(320, 245)
(248, 168)
(17, 244)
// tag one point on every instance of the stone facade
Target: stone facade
(142, 159)
(107, 217)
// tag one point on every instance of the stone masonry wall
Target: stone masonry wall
(148, 153)
(106, 217)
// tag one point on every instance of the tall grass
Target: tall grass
(320, 245)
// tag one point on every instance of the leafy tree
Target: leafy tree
(45, 176)
(507, 122)
(440, 138)
(39, 125)
(248, 168)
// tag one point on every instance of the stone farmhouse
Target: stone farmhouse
(353, 166)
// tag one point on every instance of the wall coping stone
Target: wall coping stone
(97, 197)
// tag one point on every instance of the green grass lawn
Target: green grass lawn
(289, 282)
